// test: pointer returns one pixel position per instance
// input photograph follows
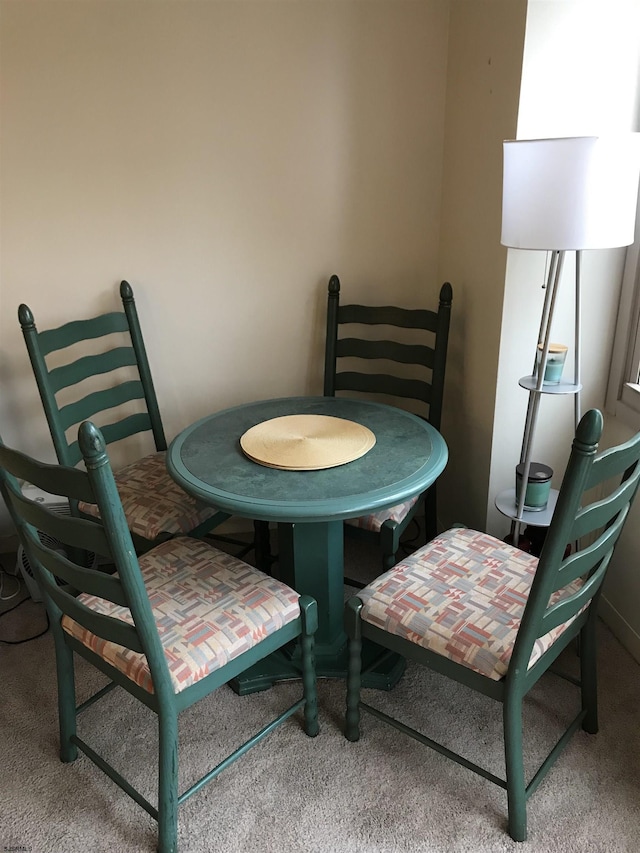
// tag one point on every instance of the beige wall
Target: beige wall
(485, 59)
(225, 158)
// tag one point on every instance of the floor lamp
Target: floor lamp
(565, 195)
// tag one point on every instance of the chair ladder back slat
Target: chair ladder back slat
(567, 608)
(380, 383)
(47, 477)
(79, 577)
(615, 462)
(82, 533)
(117, 431)
(386, 350)
(100, 401)
(51, 340)
(388, 315)
(600, 513)
(584, 562)
(91, 365)
(106, 627)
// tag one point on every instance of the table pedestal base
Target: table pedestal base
(381, 669)
(311, 560)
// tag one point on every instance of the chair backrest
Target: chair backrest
(594, 501)
(60, 571)
(413, 369)
(115, 389)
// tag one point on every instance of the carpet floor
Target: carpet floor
(384, 794)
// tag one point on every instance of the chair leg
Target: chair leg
(66, 697)
(430, 514)
(588, 675)
(262, 539)
(168, 781)
(354, 669)
(309, 614)
(516, 794)
(389, 544)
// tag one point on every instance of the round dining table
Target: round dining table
(309, 507)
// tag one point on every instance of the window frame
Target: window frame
(623, 390)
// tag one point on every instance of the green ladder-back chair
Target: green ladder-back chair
(496, 618)
(155, 506)
(414, 364)
(169, 627)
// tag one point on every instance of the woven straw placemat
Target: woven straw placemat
(306, 442)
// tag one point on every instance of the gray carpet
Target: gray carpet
(385, 794)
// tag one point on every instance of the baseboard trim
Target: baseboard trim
(622, 630)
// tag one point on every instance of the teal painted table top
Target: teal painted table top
(207, 460)
(309, 506)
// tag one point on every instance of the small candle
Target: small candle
(555, 362)
(536, 495)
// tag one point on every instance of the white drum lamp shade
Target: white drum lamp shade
(570, 193)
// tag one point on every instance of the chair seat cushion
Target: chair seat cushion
(462, 596)
(375, 521)
(153, 503)
(209, 608)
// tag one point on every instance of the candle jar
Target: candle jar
(555, 362)
(538, 486)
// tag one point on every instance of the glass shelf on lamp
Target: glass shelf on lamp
(531, 384)
(506, 504)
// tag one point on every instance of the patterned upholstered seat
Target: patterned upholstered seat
(154, 504)
(208, 606)
(374, 522)
(462, 596)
